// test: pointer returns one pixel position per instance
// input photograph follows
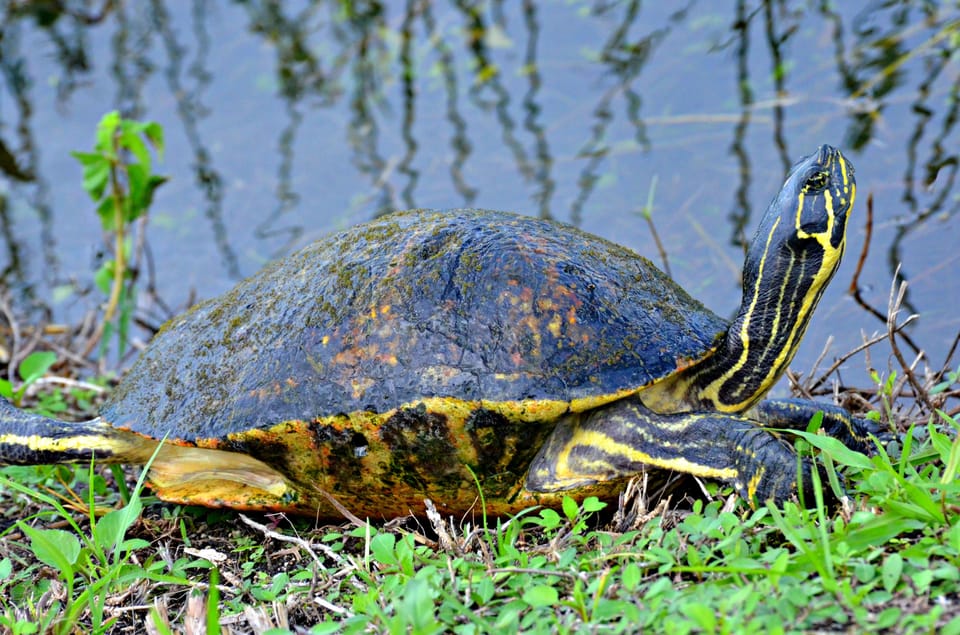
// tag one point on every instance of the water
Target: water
(287, 121)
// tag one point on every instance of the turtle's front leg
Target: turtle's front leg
(626, 438)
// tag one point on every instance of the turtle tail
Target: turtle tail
(32, 439)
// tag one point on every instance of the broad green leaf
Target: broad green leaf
(541, 595)
(483, 591)
(154, 133)
(89, 158)
(96, 177)
(130, 139)
(6, 568)
(815, 422)
(96, 172)
(103, 278)
(630, 578)
(382, 548)
(941, 442)
(570, 508)
(592, 504)
(6, 389)
(549, 519)
(880, 531)
(151, 187)
(888, 385)
(702, 615)
(142, 188)
(840, 453)
(54, 547)
(922, 505)
(112, 528)
(416, 606)
(107, 214)
(952, 627)
(133, 544)
(35, 365)
(280, 582)
(137, 181)
(105, 130)
(891, 571)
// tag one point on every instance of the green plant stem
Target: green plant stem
(119, 262)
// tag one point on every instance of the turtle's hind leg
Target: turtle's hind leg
(197, 476)
(216, 478)
(31, 439)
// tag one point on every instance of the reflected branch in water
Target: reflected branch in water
(544, 159)
(10, 165)
(25, 159)
(625, 61)
(12, 271)
(459, 142)
(742, 209)
(190, 111)
(300, 75)
(885, 50)
(287, 197)
(940, 168)
(862, 112)
(131, 65)
(923, 114)
(775, 42)
(361, 50)
(66, 27)
(408, 75)
(876, 57)
(487, 78)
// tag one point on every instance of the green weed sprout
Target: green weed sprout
(118, 177)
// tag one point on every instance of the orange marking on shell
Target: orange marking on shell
(686, 362)
(360, 386)
(554, 325)
(545, 304)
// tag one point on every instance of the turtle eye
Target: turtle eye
(816, 182)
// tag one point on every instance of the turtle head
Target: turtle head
(795, 252)
(806, 223)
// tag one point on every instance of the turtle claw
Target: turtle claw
(769, 474)
(857, 433)
(854, 432)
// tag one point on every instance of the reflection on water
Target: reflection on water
(286, 120)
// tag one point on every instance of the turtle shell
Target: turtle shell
(470, 304)
(377, 362)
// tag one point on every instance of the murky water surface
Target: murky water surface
(286, 121)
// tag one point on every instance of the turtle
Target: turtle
(467, 355)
